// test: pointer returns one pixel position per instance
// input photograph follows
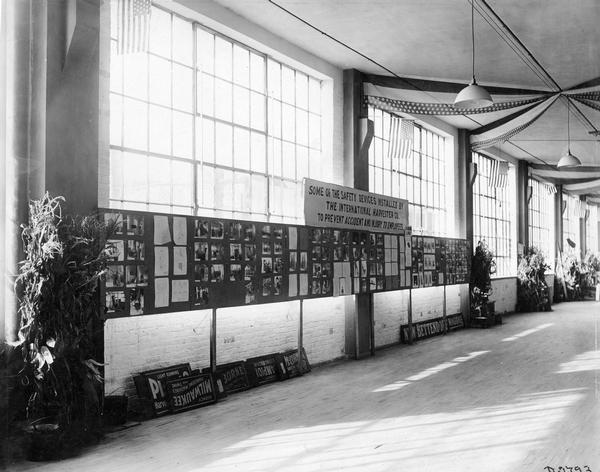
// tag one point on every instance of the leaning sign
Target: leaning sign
(334, 206)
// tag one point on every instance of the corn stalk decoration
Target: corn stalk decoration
(59, 311)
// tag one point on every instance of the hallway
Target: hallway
(518, 397)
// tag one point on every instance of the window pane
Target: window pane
(274, 79)
(136, 75)
(207, 140)
(287, 85)
(257, 111)
(134, 125)
(223, 58)
(183, 183)
(258, 151)
(135, 177)
(223, 100)
(206, 95)
(182, 41)
(259, 194)
(116, 120)
(224, 144)
(206, 50)
(301, 90)
(160, 33)
(241, 106)
(314, 92)
(160, 130)
(257, 73)
(223, 189)
(241, 148)
(289, 160)
(182, 88)
(241, 192)
(160, 180)
(116, 175)
(241, 66)
(160, 81)
(182, 134)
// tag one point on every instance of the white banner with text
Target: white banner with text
(330, 205)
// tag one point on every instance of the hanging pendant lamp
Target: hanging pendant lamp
(473, 95)
(568, 159)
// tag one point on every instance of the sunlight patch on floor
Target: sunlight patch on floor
(583, 362)
(456, 440)
(428, 372)
(527, 332)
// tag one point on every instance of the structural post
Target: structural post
(558, 221)
(359, 315)
(583, 230)
(213, 341)
(301, 337)
(410, 320)
(523, 203)
(465, 176)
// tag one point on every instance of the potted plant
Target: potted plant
(483, 266)
(572, 271)
(591, 276)
(60, 313)
(532, 291)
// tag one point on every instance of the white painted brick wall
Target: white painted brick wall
(504, 294)
(391, 310)
(324, 329)
(142, 343)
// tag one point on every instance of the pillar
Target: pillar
(464, 206)
(522, 204)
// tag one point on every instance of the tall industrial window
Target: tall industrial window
(201, 124)
(492, 215)
(420, 178)
(541, 219)
(571, 230)
(591, 229)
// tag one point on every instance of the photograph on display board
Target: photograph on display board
(266, 231)
(201, 272)
(135, 225)
(114, 250)
(200, 251)
(217, 271)
(136, 301)
(216, 251)
(303, 261)
(216, 230)
(142, 277)
(236, 231)
(249, 232)
(201, 295)
(293, 261)
(117, 220)
(115, 276)
(250, 252)
(249, 296)
(235, 273)
(201, 229)
(115, 302)
(235, 252)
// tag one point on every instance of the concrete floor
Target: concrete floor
(518, 397)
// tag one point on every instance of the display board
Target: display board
(166, 263)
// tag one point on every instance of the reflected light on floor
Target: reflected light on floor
(583, 362)
(503, 434)
(428, 372)
(528, 332)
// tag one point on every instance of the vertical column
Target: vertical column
(359, 315)
(523, 203)
(465, 174)
(25, 120)
(582, 230)
(558, 221)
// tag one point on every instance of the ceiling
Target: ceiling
(549, 45)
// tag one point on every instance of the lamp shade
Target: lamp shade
(473, 96)
(568, 160)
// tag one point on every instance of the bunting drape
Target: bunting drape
(510, 114)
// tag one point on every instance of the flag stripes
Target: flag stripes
(550, 189)
(498, 174)
(401, 138)
(133, 25)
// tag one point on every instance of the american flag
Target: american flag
(581, 208)
(498, 174)
(401, 138)
(133, 25)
